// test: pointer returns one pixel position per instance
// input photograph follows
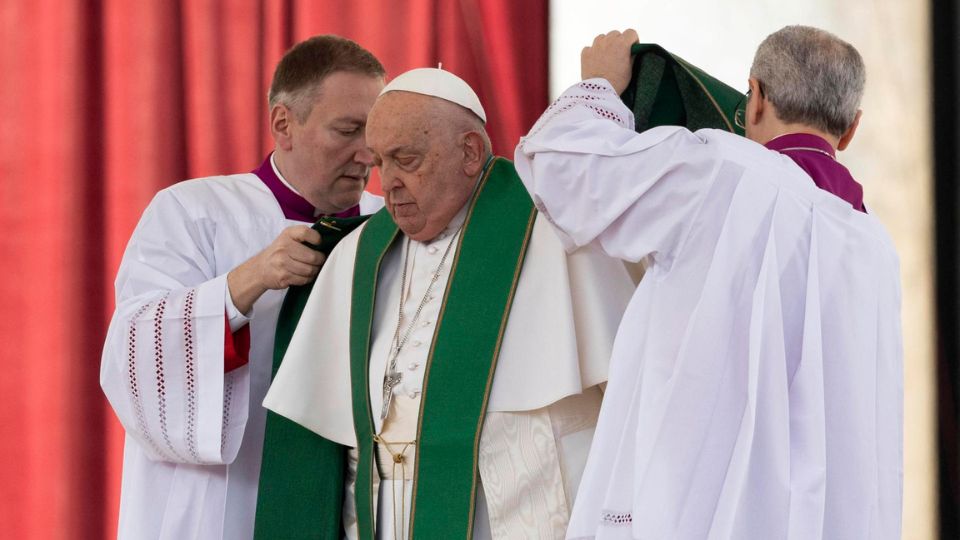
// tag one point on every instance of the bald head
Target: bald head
(430, 152)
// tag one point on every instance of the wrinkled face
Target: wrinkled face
(421, 161)
(328, 160)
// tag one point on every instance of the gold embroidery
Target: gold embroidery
(709, 95)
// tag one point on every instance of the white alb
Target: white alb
(194, 435)
(755, 388)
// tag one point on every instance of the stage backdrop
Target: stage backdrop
(107, 101)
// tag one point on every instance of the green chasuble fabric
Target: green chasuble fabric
(462, 359)
(667, 91)
(301, 481)
(302, 474)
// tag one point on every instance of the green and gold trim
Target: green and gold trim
(375, 239)
(301, 474)
(713, 101)
(462, 360)
(667, 90)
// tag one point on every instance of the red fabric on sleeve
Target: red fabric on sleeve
(236, 346)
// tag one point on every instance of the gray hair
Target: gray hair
(474, 123)
(812, 77)
(459, 118)
(299, 101)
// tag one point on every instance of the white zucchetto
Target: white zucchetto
(438, 83)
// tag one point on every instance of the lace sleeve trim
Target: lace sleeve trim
(588, 94)
(615, 518)
(160, 368)
(190, 372)
(228, 384)
(133, 382)
(166, 450)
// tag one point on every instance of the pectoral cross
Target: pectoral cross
(390, 381)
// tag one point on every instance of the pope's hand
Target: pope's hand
(285, 262)
(609, 58)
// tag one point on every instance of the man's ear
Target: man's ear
(848, 136)
(474, 153)
(281, 120)
(756, 108)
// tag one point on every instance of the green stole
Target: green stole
(461, 362)
(666, 90)
(302, 476)
(301, 471)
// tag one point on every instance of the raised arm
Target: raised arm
(597, 180)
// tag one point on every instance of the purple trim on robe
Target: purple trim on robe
(293, 205)
(822, 166)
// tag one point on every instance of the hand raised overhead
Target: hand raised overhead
(609, 58)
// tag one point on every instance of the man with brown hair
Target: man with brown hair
(187, 358)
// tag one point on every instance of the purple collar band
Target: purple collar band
(293, 205)
(801, 142)
(819, 160)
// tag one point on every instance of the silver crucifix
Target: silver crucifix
(390, 381)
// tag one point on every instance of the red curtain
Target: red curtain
(107, 101)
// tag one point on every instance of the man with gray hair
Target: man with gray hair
(755, 388)
(187, 358)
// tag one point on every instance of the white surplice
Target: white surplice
(544, 400)
(755, 388)
(194, 435)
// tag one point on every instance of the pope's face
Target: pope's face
(421, 161)
(328, 160)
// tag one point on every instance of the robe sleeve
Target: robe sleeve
(598, 181)
(236, 346)
(163, 360)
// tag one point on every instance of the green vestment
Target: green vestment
(301, 480)
(301, 471)
(665, 90)
(462, 360)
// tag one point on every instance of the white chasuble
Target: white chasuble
(755, 388)
(194, 434)
(543, 402)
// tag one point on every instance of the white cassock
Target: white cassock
(194, 435)
(544, 400)
(755, 388)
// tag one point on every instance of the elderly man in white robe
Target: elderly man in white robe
(187, 359)
(465, 376)
(755, 388)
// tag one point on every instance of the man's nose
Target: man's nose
(365, 156)
(389, 182)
